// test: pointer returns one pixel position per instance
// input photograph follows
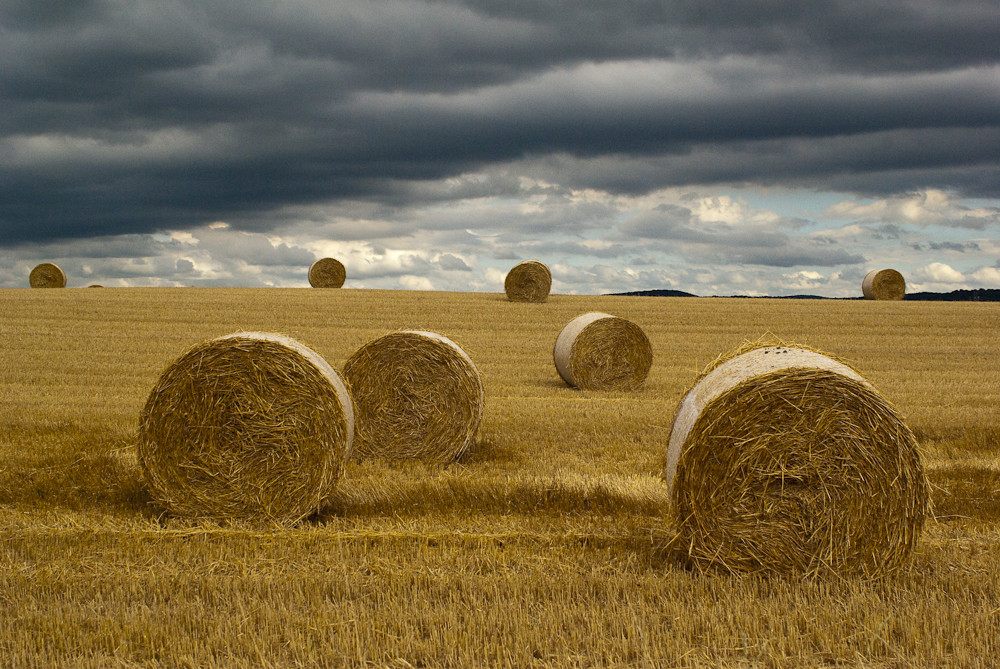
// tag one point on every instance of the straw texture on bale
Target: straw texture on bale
(249, 426)
(417, 395)
(598, 351)
(883, 284)
(47, 275)
(327, 273)
(528, 281)
(784, 460)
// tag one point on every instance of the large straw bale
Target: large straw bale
(47, 275)
(327, 273)
(528, 281)
(248, 426)
(883, 284)
(785, 460)
(417, 394)
(598, 351)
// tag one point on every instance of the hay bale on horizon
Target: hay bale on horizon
(417, 394)
(598, 351)
(327, 273)
(883, 284)
(47, 275)
(528, 281)
(248, 426)
(784, 460)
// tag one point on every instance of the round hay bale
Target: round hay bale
(883, 284)
(528, 281)
(327, 273)
(248, 426)
(95, 285)
(417, 395)
(599, 351)
(784, 460)
(47, 275)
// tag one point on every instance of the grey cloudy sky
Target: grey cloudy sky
(759, 147)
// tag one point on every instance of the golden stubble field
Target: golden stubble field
(539, 549)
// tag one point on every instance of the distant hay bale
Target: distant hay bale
(883, 284)
(528, 281)
(327, 273)
(47, 275)
(598, 351)
(95, 285)
(784, 460)
(417, 395)
(248, 426)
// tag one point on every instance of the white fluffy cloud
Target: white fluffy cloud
(987, 276)
(939, 272)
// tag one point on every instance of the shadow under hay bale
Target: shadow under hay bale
(598, 351)
(248, 426)
(417, 395)
(784, 460)
(47, 275)
(327, 273)
(883, 284)
(528, 281)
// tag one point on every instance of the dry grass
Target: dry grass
(47, 275)
(247, 426)
(528, 281)
(535, 550)
(327, 273)
(598, 351)
(883, 284)
(417, 395)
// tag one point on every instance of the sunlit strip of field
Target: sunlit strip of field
(541, 548)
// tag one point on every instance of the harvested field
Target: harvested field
(539, 548)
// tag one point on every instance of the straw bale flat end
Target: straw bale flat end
(781, 459)
(598, 351)
(249, 426)
(528, 281)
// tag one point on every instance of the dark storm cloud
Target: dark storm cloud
(121, 117)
